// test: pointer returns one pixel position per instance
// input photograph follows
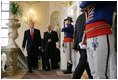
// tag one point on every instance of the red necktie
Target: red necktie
(32, 33)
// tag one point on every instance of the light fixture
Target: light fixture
(68, 3)
(30, 16)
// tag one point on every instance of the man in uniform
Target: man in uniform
(68, 29)
(98, 36)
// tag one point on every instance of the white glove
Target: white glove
(39, 47)
(82, 46)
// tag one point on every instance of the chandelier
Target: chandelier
(30, 16)
(68, 3)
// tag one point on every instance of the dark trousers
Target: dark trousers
(41, 55)
(82, 66)
(32, 60)
(49, 63)
(57, 58)
(50, 54)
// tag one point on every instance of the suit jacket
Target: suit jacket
(79, 28)
(54, 38)
(32, 44)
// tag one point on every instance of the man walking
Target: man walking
(83, 63)
(32, 41)
(49, 47)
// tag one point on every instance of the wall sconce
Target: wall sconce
(30, 16)
(68, 3)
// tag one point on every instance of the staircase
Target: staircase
(16, 61)
(22, 62)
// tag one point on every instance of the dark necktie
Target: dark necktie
(49, 35)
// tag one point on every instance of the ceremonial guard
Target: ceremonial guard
(68, 29)
(98, 35)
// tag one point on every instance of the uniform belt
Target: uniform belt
(97, 27)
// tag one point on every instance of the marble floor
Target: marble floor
(53, 74)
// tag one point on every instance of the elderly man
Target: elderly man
(49, 47)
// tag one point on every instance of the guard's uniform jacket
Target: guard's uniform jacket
(99, 37)
(98, 17)
(102, 10)
(69, 30)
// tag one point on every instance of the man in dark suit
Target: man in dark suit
(49, 47)
(83, 64)
(32, 41)
(79, 28)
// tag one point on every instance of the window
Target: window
(4, 20)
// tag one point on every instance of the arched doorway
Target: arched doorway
(54, 18)
(55, 22)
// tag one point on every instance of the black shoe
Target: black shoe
(44, 69)
(35, 69)
(67, 72)
(30, 71)
(91, 77)
(47, 69)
